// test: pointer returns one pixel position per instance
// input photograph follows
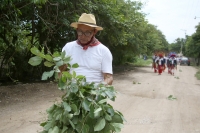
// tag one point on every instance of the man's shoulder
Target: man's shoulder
(102, 46)
(71, 43)
(68, 46)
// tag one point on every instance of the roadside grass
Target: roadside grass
(141, 62)
(197, 75)
(128, 66)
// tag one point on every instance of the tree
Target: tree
(43, 23)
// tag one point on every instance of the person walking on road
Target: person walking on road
(160, 63)
(173, 64)
(154, 66)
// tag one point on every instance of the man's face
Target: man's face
(85, 33)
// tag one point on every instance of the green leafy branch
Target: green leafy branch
(84, 107)
(171, 97)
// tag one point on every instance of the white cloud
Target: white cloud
(173, 17)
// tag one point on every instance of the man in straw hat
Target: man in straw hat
(94, 59)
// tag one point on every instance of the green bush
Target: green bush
(198, 74)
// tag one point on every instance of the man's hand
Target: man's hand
(62, 68)
(108, 78)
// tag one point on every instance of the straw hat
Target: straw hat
(86, 19)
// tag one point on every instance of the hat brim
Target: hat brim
(75, 25)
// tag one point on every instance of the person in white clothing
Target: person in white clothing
(94, 58)
(160, 63)
(154, 66)
(173, 64)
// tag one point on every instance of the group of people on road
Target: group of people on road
(161, 62)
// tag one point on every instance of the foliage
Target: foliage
(193, 43)
(171, 97)
(192, 46)
(28, 23)
(84, 107)
(197, 75)
(141, 62)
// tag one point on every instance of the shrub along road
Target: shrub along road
(149, 102)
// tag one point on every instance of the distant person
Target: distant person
(160, 63)
(154, 66)
(173, 64)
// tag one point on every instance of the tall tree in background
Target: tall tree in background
(42, 23)
(193, 45)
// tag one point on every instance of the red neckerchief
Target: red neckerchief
(91, 43)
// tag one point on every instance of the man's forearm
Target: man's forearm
(108, 78)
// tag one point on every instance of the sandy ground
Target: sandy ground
(143, 99)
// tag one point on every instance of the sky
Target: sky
(174, 18)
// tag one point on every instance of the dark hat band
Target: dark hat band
(87, 23)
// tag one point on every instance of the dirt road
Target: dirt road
(143, 99)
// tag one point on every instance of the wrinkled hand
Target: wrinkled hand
(62, 68)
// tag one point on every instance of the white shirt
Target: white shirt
(92, 62)
(172, 60)
(159, 60)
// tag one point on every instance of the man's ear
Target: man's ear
(95, 31)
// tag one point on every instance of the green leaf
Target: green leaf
(74, 87)
(80, 77)
(70, 116)
(48, 58)
(41, 55)
(75, 65)
(49, 125)
(81, 94)
(102, 101)
(34, 61)
(51, 109)
(67, 59)
(97, 110)
(117, 126)
(100, 124)
(43, 124)
(57, 58)
(171, 97)
(110, 94)
(85, 128)
(66, 106)
(63, 54)
(74, 107)
(75, 120)
(67, 74)
(91, 113)
(64, 129)
(56, 54)
(59, 63)
(74, 74)
(35, 51)
(108, 117)
(117, 118)
(110, 110)
(47, 75)
(48, 64)
(72, 124)
(55, 130)
(79, 127)
(107, 129)
(12, 63)
(86, 105)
